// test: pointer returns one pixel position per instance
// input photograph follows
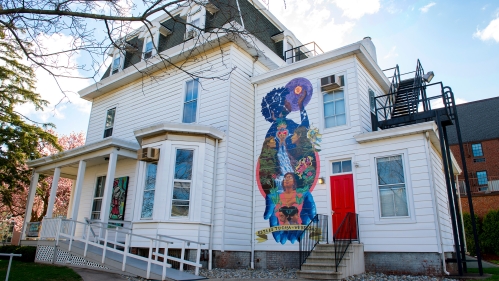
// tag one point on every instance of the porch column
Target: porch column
(108, 188)
(29, 204)
(53, 192)
(71, 198)
(79, 185)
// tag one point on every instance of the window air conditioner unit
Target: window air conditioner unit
(148, 154)
(332, 82)
(191, 34)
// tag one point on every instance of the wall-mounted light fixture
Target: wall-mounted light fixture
(321, 181)
(428, 76)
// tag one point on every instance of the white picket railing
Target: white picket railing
(50, 228)
(108, 239)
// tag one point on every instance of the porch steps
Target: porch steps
(134, 266)
(320, 265)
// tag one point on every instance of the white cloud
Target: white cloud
(427, 7)
(391, 53)
(355, 9)
(438, 103)
(312, 21)
(50, 89)
(490, 32)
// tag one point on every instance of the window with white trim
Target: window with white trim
(148, 49)
(391, 187)
(116, 65)
(190, 101)
(334, 108)
(342, 167)
(149, 190)
(98, 194)
(182, 182)
(108, 128)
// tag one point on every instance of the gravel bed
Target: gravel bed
(290, 273)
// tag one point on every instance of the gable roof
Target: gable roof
(479, 120)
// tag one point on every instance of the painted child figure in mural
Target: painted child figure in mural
(288, 166)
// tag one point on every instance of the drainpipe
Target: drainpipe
(435, 203)
(213, 194)
(253, 203)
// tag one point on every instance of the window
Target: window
(182, 182)
(148, 50)
(97, 202)
(482, 177)
(342, 167)
(477, 160)
(191, 101)
(108, 129)
(334, 108)
(372, 101)
(476, 148)
(116, 65)
(149, 188)
(391, 186)
(194, 23)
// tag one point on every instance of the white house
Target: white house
(228, 172)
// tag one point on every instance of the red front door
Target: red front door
(342, 198)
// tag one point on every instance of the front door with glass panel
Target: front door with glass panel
(342, 193)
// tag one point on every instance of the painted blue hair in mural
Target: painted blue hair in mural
(288, 166)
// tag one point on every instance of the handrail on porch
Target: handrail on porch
(109, 242)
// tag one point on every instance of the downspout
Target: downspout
(253, 203)
(213, 194)
(435, 203)
(240, 14)
(222, 249)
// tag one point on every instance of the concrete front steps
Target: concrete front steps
(320, 265)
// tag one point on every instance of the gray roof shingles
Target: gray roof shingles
(479, 120)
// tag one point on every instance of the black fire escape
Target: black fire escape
(407, 103)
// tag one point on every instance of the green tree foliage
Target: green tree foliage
(490, 232)
(20, 137)
(468, 230)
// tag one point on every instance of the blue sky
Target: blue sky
(458, 40)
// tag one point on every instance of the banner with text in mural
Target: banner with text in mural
(288, 165)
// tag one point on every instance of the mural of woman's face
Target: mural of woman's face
(288, 182)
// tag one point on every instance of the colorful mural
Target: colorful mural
(288, 166)
(118, 200)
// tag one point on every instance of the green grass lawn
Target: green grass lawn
(22, 271)
(493, 271)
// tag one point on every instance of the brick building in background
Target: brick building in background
(479, 122)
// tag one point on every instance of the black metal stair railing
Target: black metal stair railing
(347, 232)
(316, 231)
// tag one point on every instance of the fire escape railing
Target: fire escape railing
(302, 52)
(385, 104)
(347, 232)
(316, 231)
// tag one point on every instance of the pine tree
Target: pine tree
(20, 137)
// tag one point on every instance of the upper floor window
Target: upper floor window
(372, 100)
(182, 182)
(334, 108)
(108, 129)
(116, 65)
(149, 190)
(476, 148)
(482, 177)
(391, 187)
(148, 50)
(98, 194)
(342, 167)
(190, 101)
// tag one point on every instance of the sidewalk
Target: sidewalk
(485, 264)
(96, 275)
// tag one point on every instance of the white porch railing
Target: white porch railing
(108, 239)
(50, 228)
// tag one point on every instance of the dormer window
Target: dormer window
(116, 65)
(192, 30)
(148, 50)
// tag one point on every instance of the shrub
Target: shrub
(468, 230)
(28, 252)
(490, 232)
